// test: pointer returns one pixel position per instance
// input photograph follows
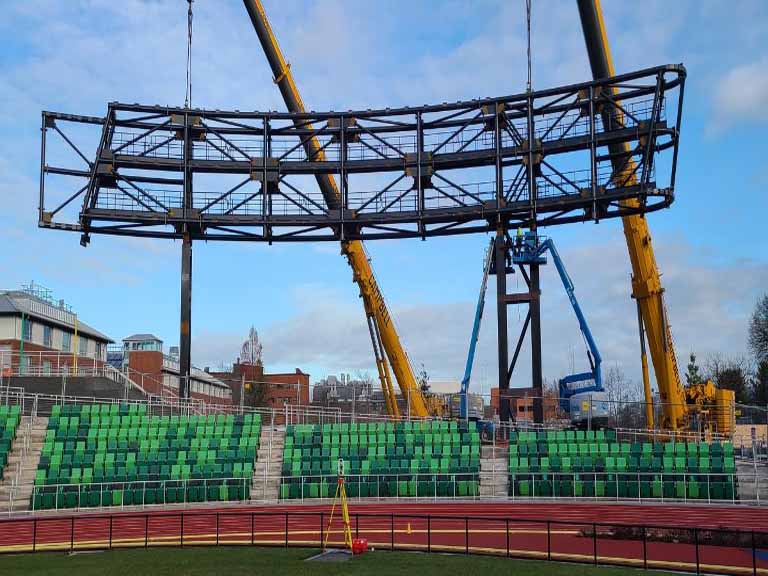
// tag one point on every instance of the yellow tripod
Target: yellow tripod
(341, 497)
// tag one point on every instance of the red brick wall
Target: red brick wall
(148, 363)
(283, 388)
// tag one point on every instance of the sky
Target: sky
(711, 244)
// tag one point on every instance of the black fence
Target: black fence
(686, 549)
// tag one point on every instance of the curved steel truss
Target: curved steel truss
(464, 167)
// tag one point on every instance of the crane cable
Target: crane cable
(188, 96)
(528, 22)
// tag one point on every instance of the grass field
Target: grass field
(235, 561)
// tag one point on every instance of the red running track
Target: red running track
(572, 531)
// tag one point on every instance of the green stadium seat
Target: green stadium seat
(122, 445)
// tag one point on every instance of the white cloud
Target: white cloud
(709, 305)
(742, 94)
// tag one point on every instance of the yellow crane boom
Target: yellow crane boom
(646, 280)
(380, 325)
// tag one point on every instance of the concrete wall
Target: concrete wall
(75, 386)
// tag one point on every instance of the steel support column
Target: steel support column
(500, 270)
(185, 333)
(185, 325)
(536, 377)
(505, 247)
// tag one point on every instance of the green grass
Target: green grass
(236, 561)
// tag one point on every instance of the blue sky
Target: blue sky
(711, 245)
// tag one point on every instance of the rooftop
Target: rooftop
(142, 338)
(40, 306)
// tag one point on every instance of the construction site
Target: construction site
(555, 426)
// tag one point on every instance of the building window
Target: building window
(47, 336)
(66, 342)
(26, 329)
(83, 347)
(46, 367)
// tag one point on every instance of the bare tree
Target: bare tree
(618, 387)
(732, 373)
(365, 381)
(758, 330)
(625, 396)
(551, 393)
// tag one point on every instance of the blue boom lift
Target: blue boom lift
(463, 399)
(581, 395)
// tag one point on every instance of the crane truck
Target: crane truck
(682, 407)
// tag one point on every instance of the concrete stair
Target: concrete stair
(494, 472)
(19, 477)
(269, 460)
(753, 480)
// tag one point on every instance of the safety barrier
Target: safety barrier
(687, 549)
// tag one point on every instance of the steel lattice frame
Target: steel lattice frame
(409, 172)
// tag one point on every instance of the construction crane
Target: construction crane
(679, 404)
(388, 349)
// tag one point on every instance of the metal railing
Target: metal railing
(313, 414)
(650, 546)
(425, 485)
(161, 489)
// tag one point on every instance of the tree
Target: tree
(255, 394)
(731, 374)
(364, 381)
(422, 379)
(551, 392)
(693, 376)
(758, 329)
(760, 384)
(624, 395)
(619, 388)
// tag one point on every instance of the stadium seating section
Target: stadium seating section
(401, 459)
(594, 464)
(111, 455)
(9, 422)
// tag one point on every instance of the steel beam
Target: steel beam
(138, 145)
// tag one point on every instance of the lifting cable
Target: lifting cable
(188, 96)
(528, 22)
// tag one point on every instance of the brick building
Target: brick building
(521, 404)
(40, 336)
(281, 388)
(142, 359)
